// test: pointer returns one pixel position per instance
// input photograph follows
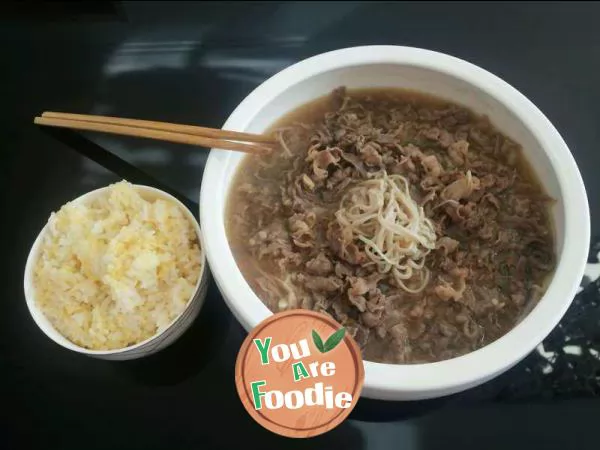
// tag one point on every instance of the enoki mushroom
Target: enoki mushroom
(284, 289)
(393, 228)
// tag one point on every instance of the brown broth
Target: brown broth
(444, 335)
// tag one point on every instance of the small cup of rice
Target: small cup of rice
(118, 273)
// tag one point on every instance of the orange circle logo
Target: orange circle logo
(299, 374)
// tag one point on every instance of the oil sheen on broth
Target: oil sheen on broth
(410, 220)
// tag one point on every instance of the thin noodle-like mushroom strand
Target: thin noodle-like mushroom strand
(396, 234)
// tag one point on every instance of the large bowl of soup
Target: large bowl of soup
(419, 200)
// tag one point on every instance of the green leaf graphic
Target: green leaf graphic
(318, 341)
(334, 340)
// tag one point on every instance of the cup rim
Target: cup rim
(390, 381)
(44, 324)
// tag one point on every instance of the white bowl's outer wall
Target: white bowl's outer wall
(150, 345)
(453, 79)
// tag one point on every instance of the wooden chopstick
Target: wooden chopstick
(165, 126)
(184, 134)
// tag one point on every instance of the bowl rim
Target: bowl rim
(388, 381)
(36, 313)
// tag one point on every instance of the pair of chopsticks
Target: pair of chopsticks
(163, 131)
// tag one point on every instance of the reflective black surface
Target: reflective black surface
(193, 63)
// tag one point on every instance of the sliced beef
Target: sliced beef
(458, 152)
(319, 265)
(321, 160)
(359, 333)
(375, 308)
(302, 229)
(461, 188)
(274, 242)
(341, 242)
(320, 284)
(432, 166)
(342, 271)
(370, 154)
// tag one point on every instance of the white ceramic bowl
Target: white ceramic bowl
(149, 346)
(455, 80)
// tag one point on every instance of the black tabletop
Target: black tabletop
(194, 62)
